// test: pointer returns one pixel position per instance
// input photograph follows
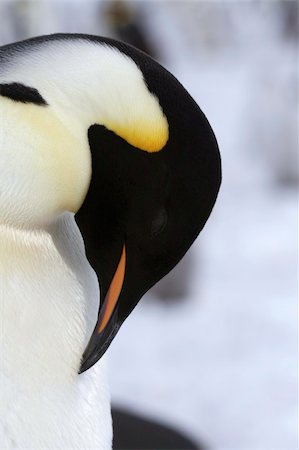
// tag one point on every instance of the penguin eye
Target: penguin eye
(159, 223)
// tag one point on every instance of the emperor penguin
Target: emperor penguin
(108, 172)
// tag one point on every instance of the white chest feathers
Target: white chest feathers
(48, 295)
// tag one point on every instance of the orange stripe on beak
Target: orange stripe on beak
(113, 292)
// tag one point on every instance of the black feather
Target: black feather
(21, 93)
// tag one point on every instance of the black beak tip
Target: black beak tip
(91, 355)
(85, 365)
(99, 343)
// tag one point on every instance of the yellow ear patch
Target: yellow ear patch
(133, 112)
(150, 137)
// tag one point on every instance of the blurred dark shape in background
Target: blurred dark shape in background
(132, 432)
(289, 19)
(127, 24)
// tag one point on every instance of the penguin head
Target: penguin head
(124, 147)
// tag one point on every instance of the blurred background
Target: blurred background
(212, 349)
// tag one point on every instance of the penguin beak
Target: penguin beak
(112, 294)
(108, 324)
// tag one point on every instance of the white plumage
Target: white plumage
(49, 295)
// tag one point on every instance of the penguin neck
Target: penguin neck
(44, 285)
(38, 292)
(45, 282)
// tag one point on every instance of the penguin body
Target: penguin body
(108, 172)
